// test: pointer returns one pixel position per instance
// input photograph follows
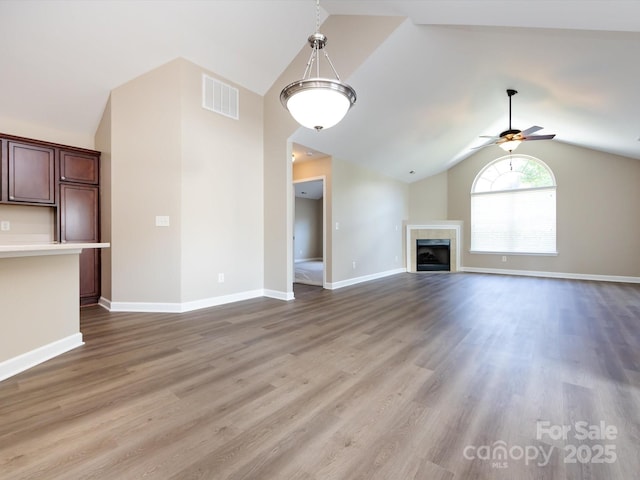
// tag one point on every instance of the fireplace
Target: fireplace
(438, 229)
(433, 255)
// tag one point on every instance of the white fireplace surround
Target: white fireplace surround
(455, 235)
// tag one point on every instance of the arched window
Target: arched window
(513, 207)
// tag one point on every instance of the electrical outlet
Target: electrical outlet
(5, 225)
(504, 258)
(354, 265)
(337, 225)
(221, 278)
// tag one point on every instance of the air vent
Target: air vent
(220, 97)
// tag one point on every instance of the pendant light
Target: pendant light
(316, 102)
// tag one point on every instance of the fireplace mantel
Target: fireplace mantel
(451, 229)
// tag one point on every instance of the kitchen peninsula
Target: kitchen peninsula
(40, 318)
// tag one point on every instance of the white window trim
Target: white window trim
(549, 187)
(504, 157)
(535, 254)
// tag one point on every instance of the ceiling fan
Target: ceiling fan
(511, 138)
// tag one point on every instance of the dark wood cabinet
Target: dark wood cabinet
(79, 168)
(35, 172)
(79, 213)
(31, 173)
(90, 276)
(79, 222)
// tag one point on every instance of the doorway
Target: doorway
(309, 253)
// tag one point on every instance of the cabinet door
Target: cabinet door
(31, 170)
(89, 276)
(79, 213)
(79, 168)
(79, 222)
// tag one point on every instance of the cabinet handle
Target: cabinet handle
(63, 178)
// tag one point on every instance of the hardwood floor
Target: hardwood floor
(420, 377)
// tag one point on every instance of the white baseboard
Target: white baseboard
(23, 362)
(569, 276)
(286, 296)
(222, 300)
(365, 278)
(146, 307)
(160, 307)
(104, 303)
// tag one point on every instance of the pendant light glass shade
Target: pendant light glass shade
(318, 103)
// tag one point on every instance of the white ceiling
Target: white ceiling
(424, 96)
(312, 190)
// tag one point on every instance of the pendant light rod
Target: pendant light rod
(326, 55)
(510, 143)
(317, 41)
(511, 93)
(511, 131)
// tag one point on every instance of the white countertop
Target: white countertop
(36, 249)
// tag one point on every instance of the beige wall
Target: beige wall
(366, 205)
(32, 290)
(371, 210)
(28, 224)
(278, 193)
(168, 156)
(146, 180)
(357, 37)
(598, 222)
(428, 199)
(103, 144)
(222, 193)
(320, 167)
(12, 126)
(308, 229)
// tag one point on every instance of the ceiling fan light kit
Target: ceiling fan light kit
(510, 139)
(315, 102)
(509, 145)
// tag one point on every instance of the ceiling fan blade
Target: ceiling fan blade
(529, 130)
(540, 137)
(489, 136)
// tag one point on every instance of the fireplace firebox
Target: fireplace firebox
(433, 255)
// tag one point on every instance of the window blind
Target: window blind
(517, 221)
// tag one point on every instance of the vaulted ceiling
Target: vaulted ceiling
(424, 96)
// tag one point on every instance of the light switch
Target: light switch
(162, 220)
(5, 225)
